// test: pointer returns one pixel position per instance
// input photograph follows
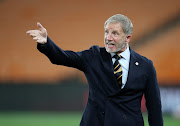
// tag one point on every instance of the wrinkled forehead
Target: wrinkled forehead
(116, 26)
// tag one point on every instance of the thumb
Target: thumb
(40, 26)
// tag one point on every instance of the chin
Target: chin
(111, 50)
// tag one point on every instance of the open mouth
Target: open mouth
(110, 44)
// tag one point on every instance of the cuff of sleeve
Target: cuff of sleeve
(43, 47)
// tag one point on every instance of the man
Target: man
(117, 76)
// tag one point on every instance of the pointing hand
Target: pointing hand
(40, 36)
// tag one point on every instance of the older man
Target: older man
(117, 76)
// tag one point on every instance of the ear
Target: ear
(128, 38)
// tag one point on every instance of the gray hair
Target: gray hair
(126, 23)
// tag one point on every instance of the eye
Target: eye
(106, 31)
(115, 33)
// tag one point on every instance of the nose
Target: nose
(109, 37)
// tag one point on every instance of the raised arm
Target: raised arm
(55, 54)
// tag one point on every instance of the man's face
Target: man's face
(115, 39)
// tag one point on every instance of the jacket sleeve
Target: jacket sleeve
(60, 57)
(153, 100)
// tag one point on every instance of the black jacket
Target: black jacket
(107, 104)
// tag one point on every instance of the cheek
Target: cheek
(105, 36)
(105, 39)
(117, 42)
(116, 39)
(120, 41)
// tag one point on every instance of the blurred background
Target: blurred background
(34, 92)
